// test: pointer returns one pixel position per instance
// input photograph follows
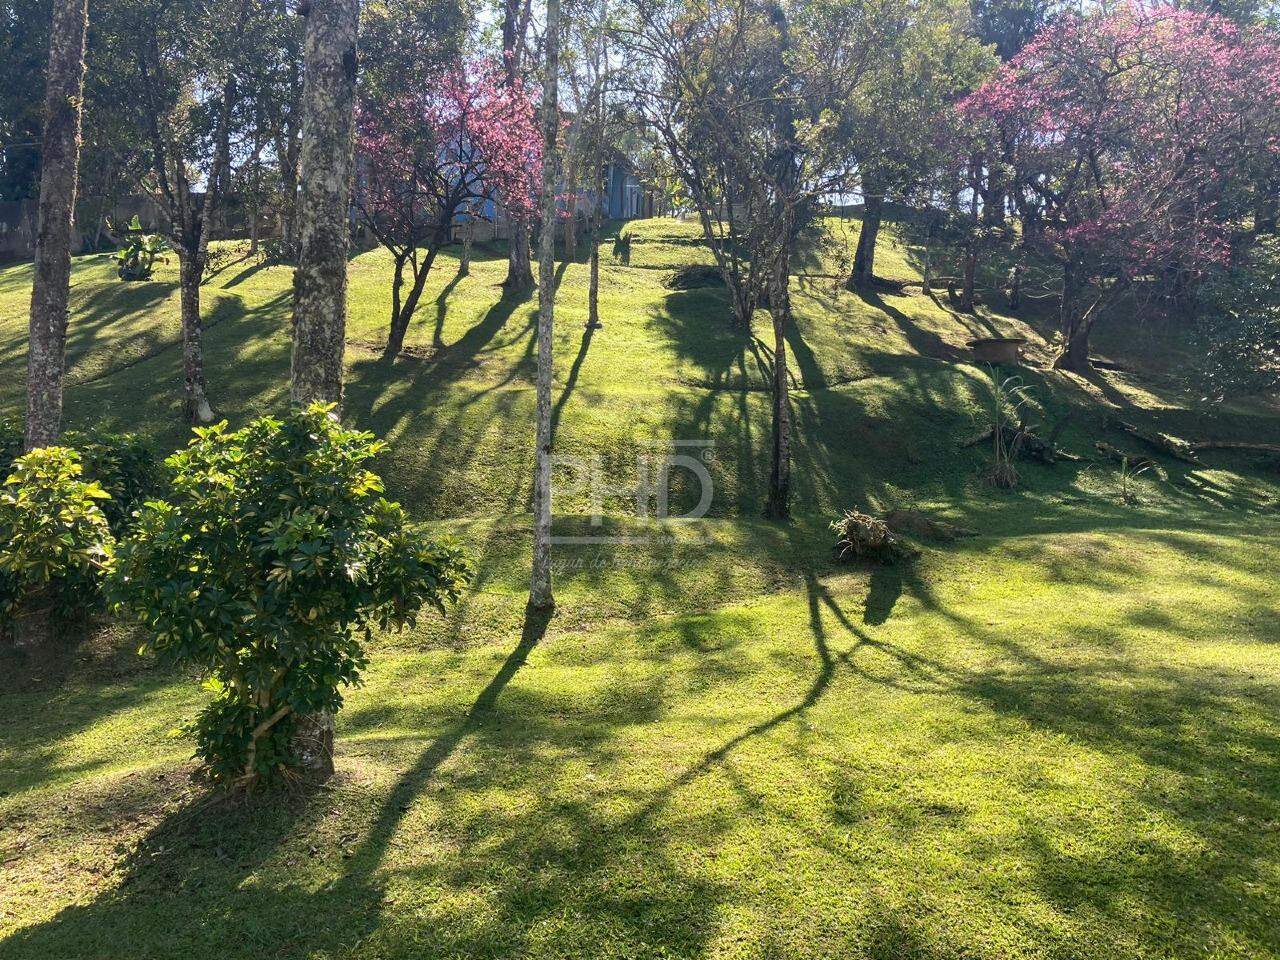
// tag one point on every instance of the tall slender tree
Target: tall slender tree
(515, 26)
(60, 162)
(540, 595)
(326, 162)
(600, 61)
(738, 93)
(320, 280)
(60, 166)
(183, 79)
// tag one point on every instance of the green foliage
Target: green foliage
(11, 444)
(1130, 470)
(136, 259)
(273, 554)
(54, 538)
(1007, 400)
(1239, 330)
(124, 465)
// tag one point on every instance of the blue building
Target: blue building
(625, 197)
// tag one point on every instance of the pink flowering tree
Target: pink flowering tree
(458, 149)
(1131, 137)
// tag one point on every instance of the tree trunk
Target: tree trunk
(60, 166)
(289, 209)
(1074, 355)
(395, 334)
(287, 157)
(540, 590)
(970, 272)
(468, 234)
(993, 199)
(570, 220)
(864, 257)
(1075, 323)
(320, 280)
(402, 313)
(778, 506)
(253, 231)
(326, 161)
(519, 262)
(515, 22)
(193, 256)
(593, 285)
(190, 271)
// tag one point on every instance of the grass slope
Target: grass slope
(1056, 739)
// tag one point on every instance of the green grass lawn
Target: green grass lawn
(1060, 738)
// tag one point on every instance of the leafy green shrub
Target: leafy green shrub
(136, 258)
(1238, 331)
(124, 465)
(273, 555)
(54, 540)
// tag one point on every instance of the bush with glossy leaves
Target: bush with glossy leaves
(55, 544)
(124, 465)
(273, 556)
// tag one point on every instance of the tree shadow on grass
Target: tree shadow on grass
(314, 875)
(886, 588)
(571, 381)
(442, 311)
(368, 380)
(175, 883)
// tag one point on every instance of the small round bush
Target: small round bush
(274, 554)
(55, 543)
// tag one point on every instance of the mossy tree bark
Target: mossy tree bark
(326, 161)
(320, 280)
(540, 587)
(196, 400)
(59, 174)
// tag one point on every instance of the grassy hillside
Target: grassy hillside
(1058, 738)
